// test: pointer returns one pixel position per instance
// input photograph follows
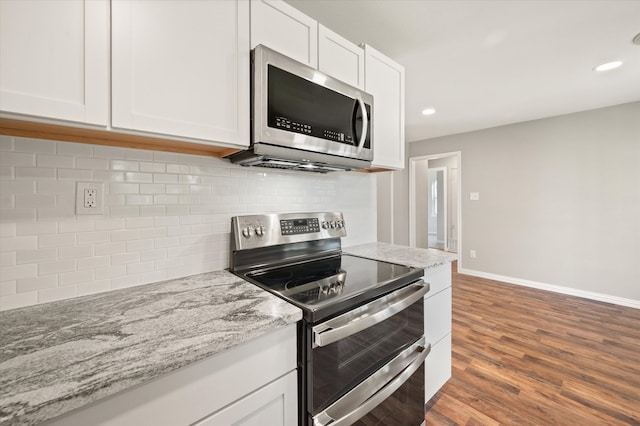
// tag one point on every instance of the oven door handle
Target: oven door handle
(376, 388)
(368, 315)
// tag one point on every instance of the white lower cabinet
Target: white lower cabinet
(250, 384)
(274, 404)
(437, 328)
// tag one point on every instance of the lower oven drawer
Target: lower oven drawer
(392, 395)
(352, 368)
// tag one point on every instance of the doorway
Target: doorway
(434, 200)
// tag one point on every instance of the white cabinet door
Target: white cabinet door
(340, 58)
(437, 367)
(285, 29)
(181, 68)
(384, 79)
(273, 405)
(55, 59)
(437, 316)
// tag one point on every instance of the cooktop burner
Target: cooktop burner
(325, 286)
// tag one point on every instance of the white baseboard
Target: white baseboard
(631, 303)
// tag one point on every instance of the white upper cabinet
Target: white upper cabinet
(55, 59)
(384, 79)
(181, 68)
(285, 29)
(340, 58)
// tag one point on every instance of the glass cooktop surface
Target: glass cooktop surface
(326, 286)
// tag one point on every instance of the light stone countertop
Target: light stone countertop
(60, 356)
(416, 257)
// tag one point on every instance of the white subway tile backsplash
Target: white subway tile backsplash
(92, 287)
(18, 215)
(139, 222)
(75, 174)
(75, 149)
(12, 243)
(140, 245)
(18, 187)
(138, 177)
(110, 272)
(10, 273)
(109, 224)
(53, 294)
(138, 200)
(36, 256)
(166, 215)
(7, 230)
(58, 161)
(110, 248)
(56, 267)
(17, 159)
(35, 173)
(7, 258)
(24, 285)
(72, 225)
(124, 258)
(76, 277)
(92, 163)
(153, 167)
(24, 201)
(93, 262)
(18, 300)
(93, 237)
(34, 145)
(133, 166)
(124, 211)
(74, 252)
(7, 288)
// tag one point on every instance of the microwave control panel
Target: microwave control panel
(306, 129)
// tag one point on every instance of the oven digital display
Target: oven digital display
(299, 226)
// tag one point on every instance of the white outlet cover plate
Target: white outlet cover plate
(80, 208)
(474, 196)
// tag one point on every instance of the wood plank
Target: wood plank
(531, 357)
(30, 129)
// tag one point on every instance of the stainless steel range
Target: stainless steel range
(361, 346)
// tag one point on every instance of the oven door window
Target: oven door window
(337, 368)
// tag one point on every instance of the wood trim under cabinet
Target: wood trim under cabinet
(55, 132)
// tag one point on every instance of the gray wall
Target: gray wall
(559, 199)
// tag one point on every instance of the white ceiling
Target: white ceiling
(485, 63)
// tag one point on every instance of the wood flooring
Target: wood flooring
(523, 356)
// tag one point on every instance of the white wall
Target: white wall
(559, 201)
(167, 215)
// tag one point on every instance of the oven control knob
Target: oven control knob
(339, 224)
(325, 224)
(247, 232)
(260, 231)
(332, 224)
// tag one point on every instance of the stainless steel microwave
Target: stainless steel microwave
(303, 119)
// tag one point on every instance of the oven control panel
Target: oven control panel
(273, 229)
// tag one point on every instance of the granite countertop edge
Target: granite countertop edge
(60, 356)
(403, 255)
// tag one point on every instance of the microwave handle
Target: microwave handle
(365, 121)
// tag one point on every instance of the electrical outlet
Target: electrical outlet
(473, 254)
(89, 197)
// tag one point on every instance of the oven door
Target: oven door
(364, 360)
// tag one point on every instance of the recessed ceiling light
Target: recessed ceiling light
(608, 66)
(428, 111)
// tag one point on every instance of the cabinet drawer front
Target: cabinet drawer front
(437, 316)
(438, 278)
